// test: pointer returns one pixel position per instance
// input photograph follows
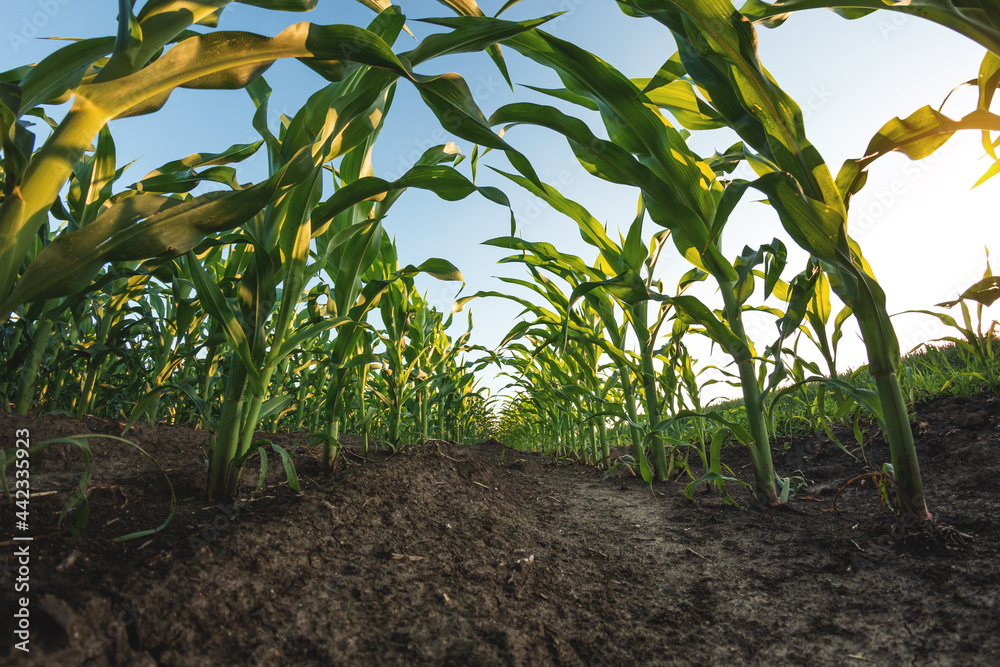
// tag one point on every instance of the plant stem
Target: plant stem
(29, 372)
(87, 390)
(638, 451)
(332, 445)
(760, 449)
(602, 431)
(906, 469)
(639, 323)
(220, 472)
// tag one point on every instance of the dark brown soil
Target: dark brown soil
(488, 556)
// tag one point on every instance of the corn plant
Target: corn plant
(680, 192)
(277, 215)
(449, 379)
(366, 266)
(562, 324)
(917, 136)
(979, 345)
(717, 49)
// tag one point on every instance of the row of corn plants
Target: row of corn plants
(243, 302)
(716, 80)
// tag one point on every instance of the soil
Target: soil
(484, 555)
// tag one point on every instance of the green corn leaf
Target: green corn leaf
(289, 465)
(237, 59)
(262, 454)
(566, 96)
(627, 287)
(546, 252)
(183, 171)
(128, 44)
(79, 498)
(445, 182)
(135, 228)
(727, 67)
(379, 6)
(917, 136)
(151, 397)
(181, 182)
(707, 478)
(507, 5)
(613, 163)
(449, 97)
(441, 269)
(215, 304)
(716, 329)
(800, 296)
(15, 139)
(646, 472)
(679, 98)
(469, 8)
(634, 252)
(966, 18)
(60, 72)
(471, 34)
(669, 72)
(985, 292)
(988, 80)
(631, 124)
(308, 332)
(741, 433)
(868, 399)
(591, 230)
(100, 177)
(282, 5)
(275, 405)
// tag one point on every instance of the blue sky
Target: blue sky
(919, 224)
